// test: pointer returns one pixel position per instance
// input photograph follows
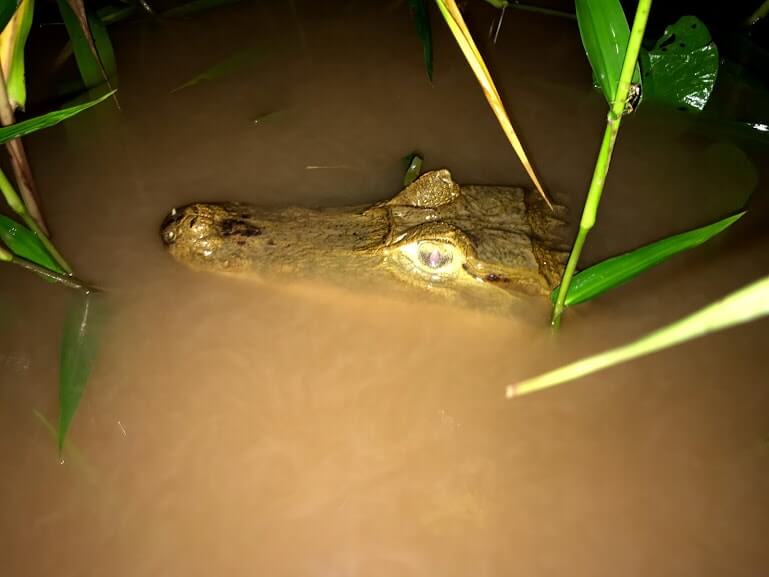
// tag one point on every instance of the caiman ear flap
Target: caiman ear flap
(430, 190)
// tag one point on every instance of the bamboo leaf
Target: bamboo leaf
(92, 63)
(422, 22)
(7, 8)
(683, 65)
(413, 164)
(606, 275)
(605, 34)
(25, 243)
(12, 42)
(79, 346)
(747, 304)
(47, 120)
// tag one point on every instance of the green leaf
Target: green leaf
(413, 164)
(422, 22)
(93, 58)
(25, 243)
(683, 65)
(79, 346)
(7, 8)
(47, 120)
(744, 305)
(615, 271)
(195, 6)
(230, 64)
(605, 34)
(115, 13)
(15, 81)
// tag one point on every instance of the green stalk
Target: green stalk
(13, 200)
(604, 154)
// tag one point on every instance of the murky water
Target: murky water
(233, 428)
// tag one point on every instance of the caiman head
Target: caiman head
(434, 234)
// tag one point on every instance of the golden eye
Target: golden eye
(435, 259)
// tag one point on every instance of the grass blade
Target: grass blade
(26, 244)
(615, 271)
(47, 120)
(12, 42)
(79, 346)
(91, 62)
(605, 35)
(461, 34)
(422, 22)
(413, 164)
(226, 66)
(744, 305)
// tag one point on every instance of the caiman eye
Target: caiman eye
(436, 259)
(433, 256)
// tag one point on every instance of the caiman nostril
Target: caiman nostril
(168, 228)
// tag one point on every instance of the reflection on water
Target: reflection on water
(235, 428)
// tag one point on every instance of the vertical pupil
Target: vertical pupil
(433, 257)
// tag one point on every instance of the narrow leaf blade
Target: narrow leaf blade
(747, 304)
(422, 22)
(413, 164)
(13, 41)
(605, 34)
(47, 120)
(25, 244)
(89, 60)
(79, 347)
(608, 274)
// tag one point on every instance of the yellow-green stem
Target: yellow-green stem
(760, 12)
(13, 200)
(604, 154)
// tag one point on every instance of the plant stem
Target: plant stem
(66, 280)
(613, 121)
(538, 10)
(19, 162)
(13, 200)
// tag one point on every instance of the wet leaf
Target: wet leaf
(196, 6)
(605, 34)
(413, 168)
(605, 275)
(422, 21)
(747, 304)
(683, 65)
(90, 43)
(79, 346)
(230, 64)
(12, 42)
(25, 244)
(46, 120)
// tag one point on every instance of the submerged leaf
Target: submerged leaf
(413, 168)
(26, 244)
(605, 35)
(12, 42)
(46, 120)
(79, 346)
(744, 305)
(606, 275)
(683, 65)
(226, 66)
(422, 21)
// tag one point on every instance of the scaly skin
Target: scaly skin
(454, 240)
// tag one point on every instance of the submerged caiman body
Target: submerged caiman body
(458, 241)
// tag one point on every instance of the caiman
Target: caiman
(458, 241)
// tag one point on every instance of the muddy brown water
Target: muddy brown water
(234, 428)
